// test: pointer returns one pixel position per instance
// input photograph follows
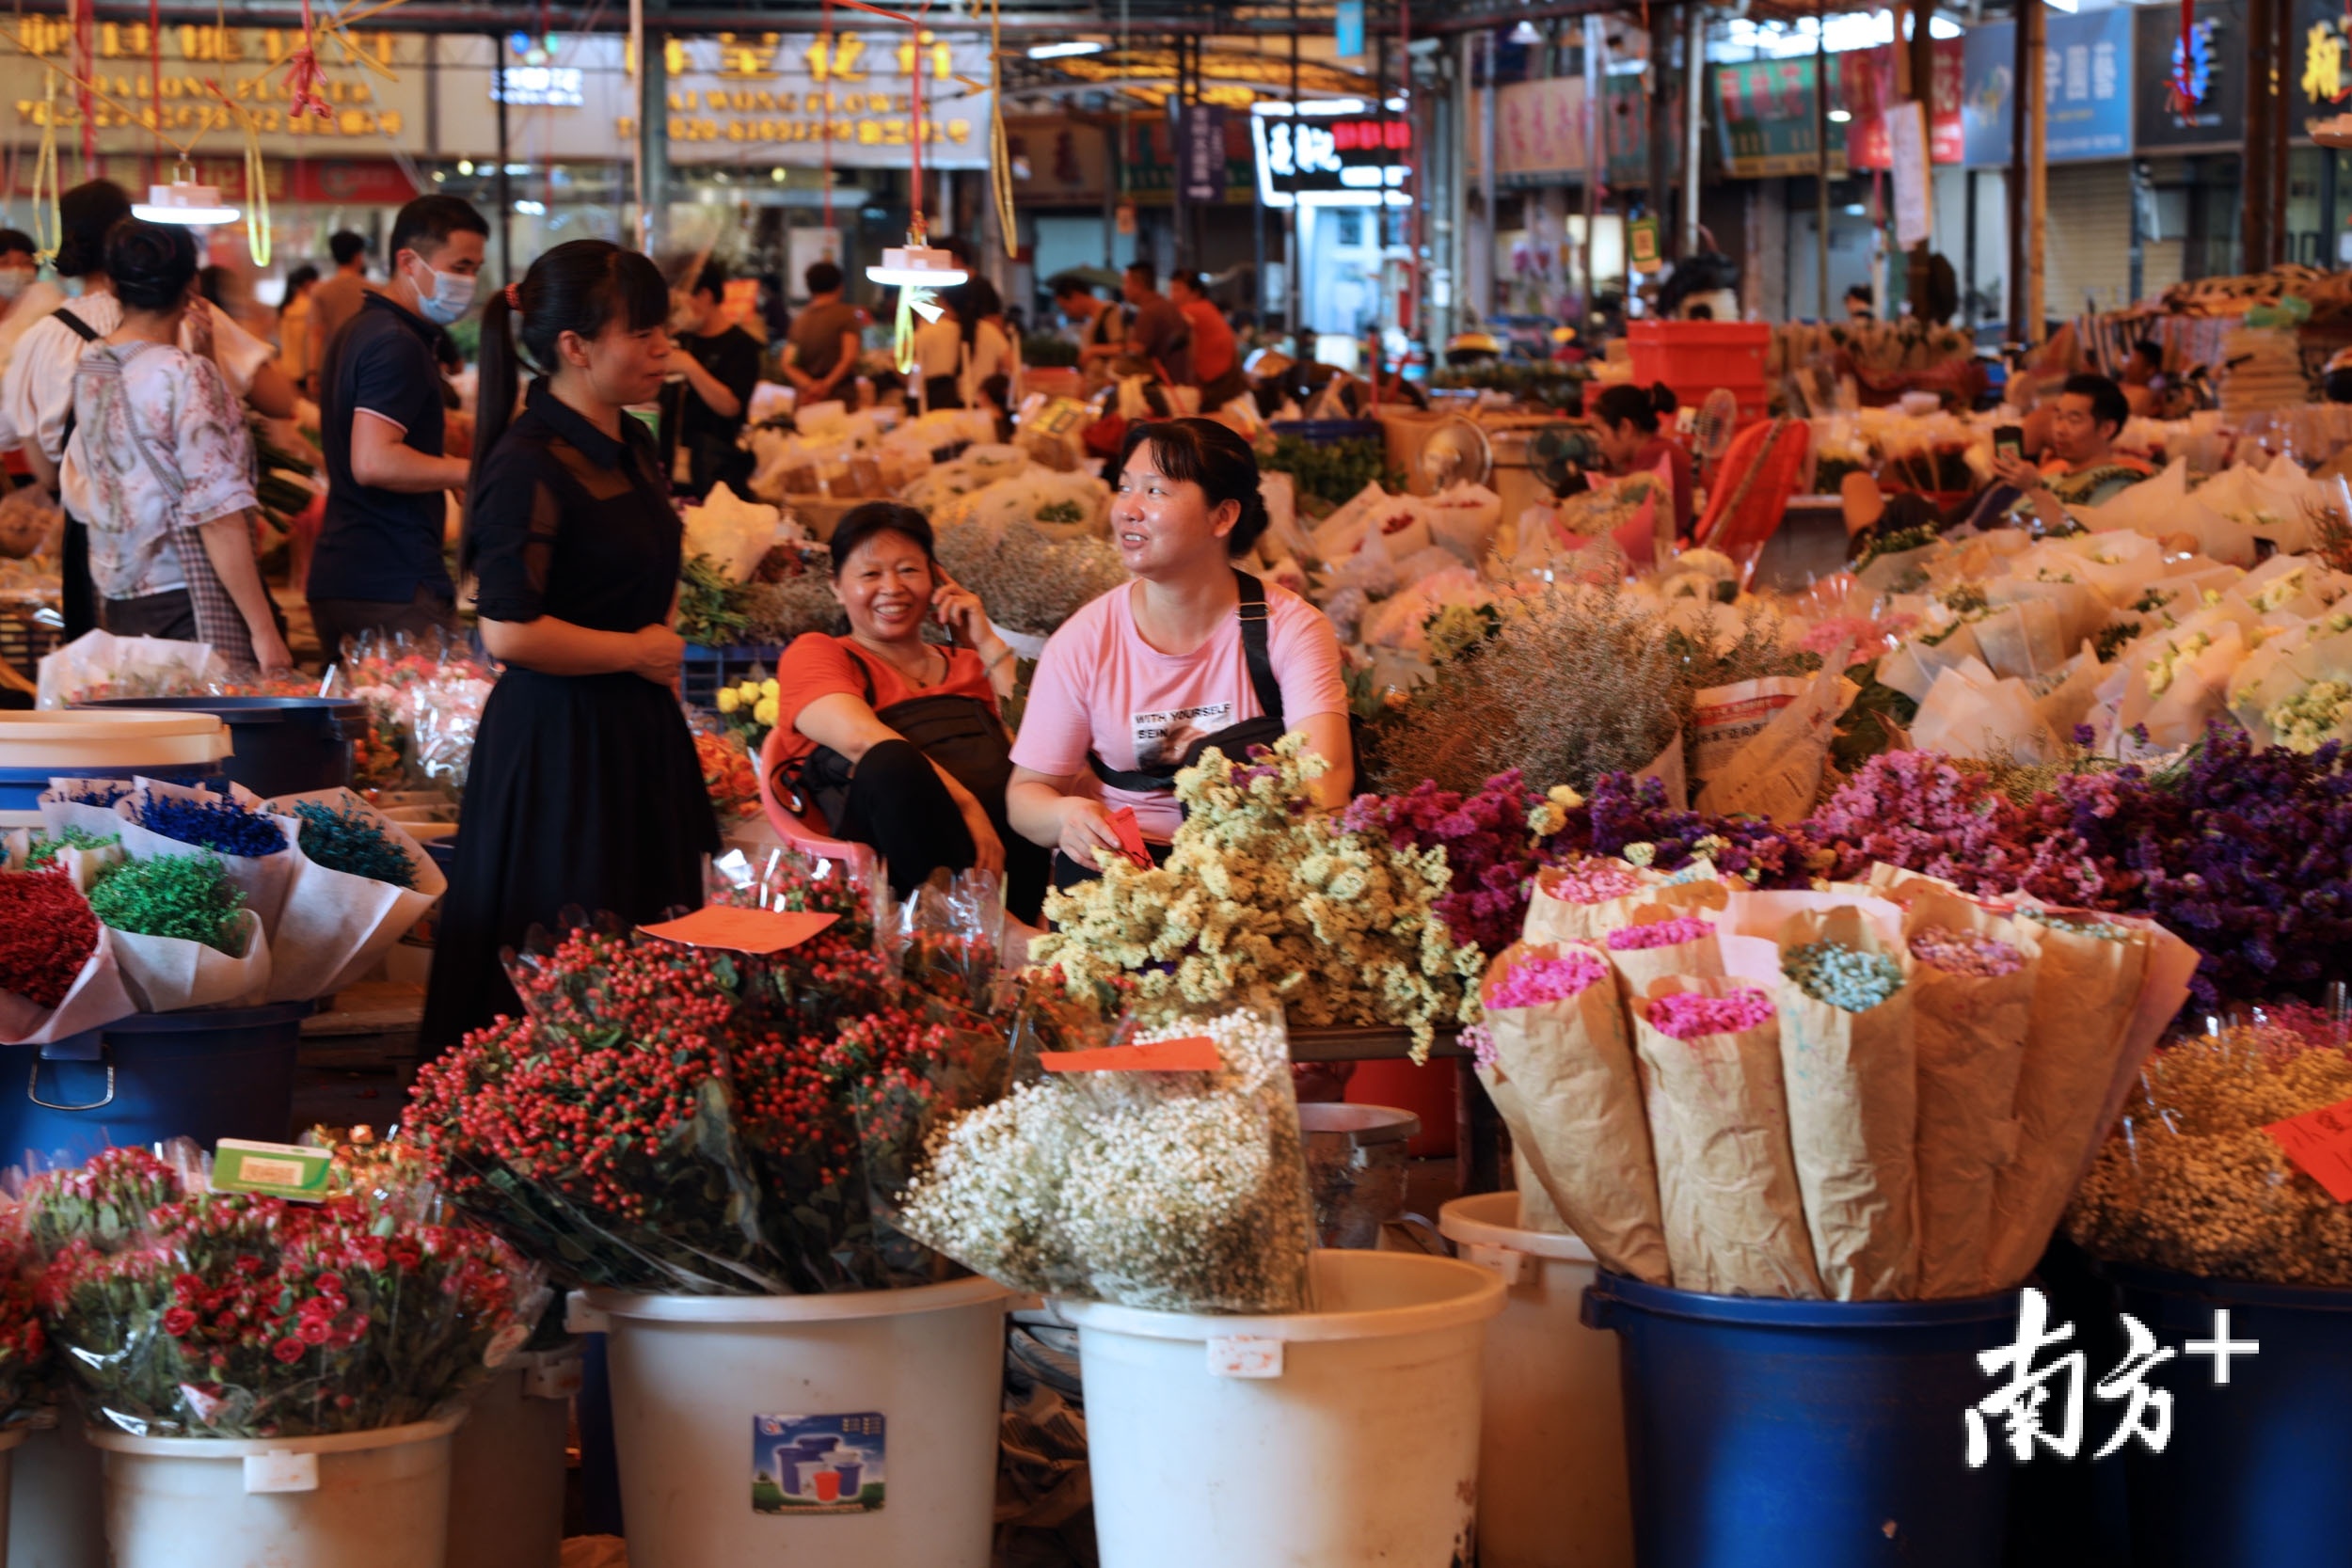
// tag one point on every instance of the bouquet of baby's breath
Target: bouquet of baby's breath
(2189, 1180)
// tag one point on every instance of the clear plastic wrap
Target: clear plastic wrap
(947, 937)
(1176, 1191)
(185, 1313)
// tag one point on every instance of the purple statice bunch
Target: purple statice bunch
(214, 822)
(1488, 847)
(1623, 811)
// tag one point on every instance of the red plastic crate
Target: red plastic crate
(1696, 357)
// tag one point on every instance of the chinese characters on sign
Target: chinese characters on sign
(2086, 83)
(1332, 162)
(855, 90)
(1764, 112)
(2024, 1404)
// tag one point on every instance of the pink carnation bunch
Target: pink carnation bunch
(1662, 933)
(1537, 981)
(1687, 1015)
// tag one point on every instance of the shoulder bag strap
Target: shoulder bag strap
(1254, 645)
(89, 334)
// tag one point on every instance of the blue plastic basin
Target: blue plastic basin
(1805, 1433)
(284, 745)
(2258, 1471)
(208, 1074)
(21, 788)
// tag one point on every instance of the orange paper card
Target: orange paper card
(1130, 838)
(739, 930)
(2321, 1143)
(1193, 1053)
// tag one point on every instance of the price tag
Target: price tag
(1131, 838)
(1245, 1356)
(759, 932)
(1193, 1053)
(281, 1471)
(2320, 1142)
(274, 1170)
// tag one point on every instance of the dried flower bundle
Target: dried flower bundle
(351, 841)
(46, 935)
(187, 897)
(1027, 580)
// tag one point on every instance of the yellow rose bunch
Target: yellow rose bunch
(1259, 890)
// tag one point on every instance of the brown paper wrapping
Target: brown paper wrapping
(1638, 967)
(1537, 1211)
(1565, 1083)
(1853, 1116)
(1550, 919)
(1971, 1035)
(2086, 989)
(1726, 1177)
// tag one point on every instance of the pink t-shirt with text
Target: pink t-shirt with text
(1101, 686)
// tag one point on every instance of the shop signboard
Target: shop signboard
(2216, 60)
(2087, 88)
(1201, 154)
(1765, 118)
(375, 107)
(2321, 62)
(1540, 132)
(1862, 82)
(1332, 160)
(1069, 163)
(1347, 31)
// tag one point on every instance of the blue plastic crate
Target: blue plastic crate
(710, 668)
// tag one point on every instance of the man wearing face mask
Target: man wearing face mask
(23, 295)
(379, 564)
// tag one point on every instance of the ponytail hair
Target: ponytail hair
(1209, 454)
(1640, 407)
(582, 286)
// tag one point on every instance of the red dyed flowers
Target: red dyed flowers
(47, 934)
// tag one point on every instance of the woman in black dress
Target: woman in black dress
(584, 788)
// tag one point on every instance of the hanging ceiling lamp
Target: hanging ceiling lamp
(184, 201)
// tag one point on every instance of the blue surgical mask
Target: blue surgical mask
(450, 298)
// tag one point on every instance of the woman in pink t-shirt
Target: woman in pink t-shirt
(1193, 652)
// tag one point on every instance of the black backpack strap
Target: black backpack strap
(89, 334)
(75, 325)
(1255, 616)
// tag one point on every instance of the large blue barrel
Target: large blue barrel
(282, 745)
(2258, 1470)
(1769, 1433)
(206, 1074)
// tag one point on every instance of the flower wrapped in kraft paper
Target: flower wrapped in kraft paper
(1562, 1076)
(1178, 1188)
(1728, 1198)
(1660, 941)
(2105, 987)
(1585, 901)
(156, 817)
(185, 1313)
(1972, 982)
(358, 883)
(58, 975)
(1849, 1066)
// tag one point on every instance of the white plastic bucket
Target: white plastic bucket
(359, 1500)
(827, 1430)
(1552, 1481)
(56, 1501)
(506, 1468)
(1343, 1435)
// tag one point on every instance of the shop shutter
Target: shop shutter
(2086, 261)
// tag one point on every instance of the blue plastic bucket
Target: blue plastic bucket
(284, 745)
(2258, 1471)
(21, 788)
(1804, 1434)
(211, 1073)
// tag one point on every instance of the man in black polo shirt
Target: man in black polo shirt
(378, 565)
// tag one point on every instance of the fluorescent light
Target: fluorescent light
(1943, 27)
(1856, 210)
(1062, 50)
(918, 266)
(1838, 116)
(185, 202)
(1333, 107)
(1526, 32)
(531, 209)
(1627, 67)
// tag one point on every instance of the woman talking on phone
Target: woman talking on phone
(584, 788)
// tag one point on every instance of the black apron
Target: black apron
(1235, 740)
(961, 734)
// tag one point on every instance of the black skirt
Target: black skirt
(584, 790)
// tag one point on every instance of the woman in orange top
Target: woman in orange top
(899, 740)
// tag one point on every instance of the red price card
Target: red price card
(1193, 1053)
(739, 930)
(1130, 838)
(2320, 1142)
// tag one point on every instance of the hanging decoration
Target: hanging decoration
(999, 146)
(2192, 63)
(48, 223)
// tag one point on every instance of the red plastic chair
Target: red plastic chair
(804, 830)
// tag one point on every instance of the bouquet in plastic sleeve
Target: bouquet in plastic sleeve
(947, 938)
(58, 975)
(426, 699)
(228, 1315)
(2197, 1175)
(1181, 1189)
(182, 934)
(359, 882)
(1559, 1067)
(98, 665)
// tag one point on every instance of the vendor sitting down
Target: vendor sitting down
(2080, 467)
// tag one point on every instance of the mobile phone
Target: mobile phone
(2009, 442)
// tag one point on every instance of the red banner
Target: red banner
(1863, 84)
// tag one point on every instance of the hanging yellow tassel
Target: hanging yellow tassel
(999, 150)
(48, 223)
(914, 299)
(257, 226)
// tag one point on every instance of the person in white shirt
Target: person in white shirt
(26, 294)
(37, 391)
(167, 466)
